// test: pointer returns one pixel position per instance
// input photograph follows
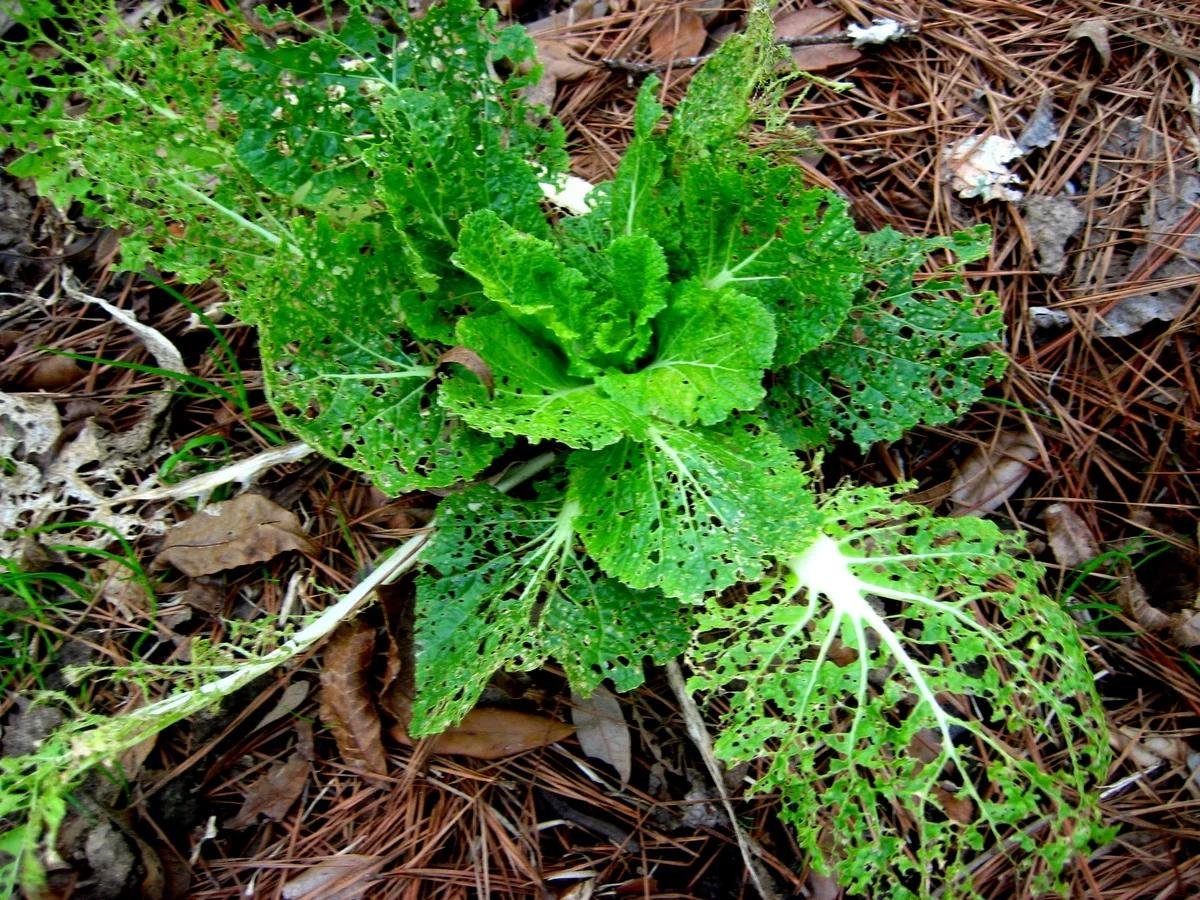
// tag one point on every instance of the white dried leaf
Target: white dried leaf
(572, 195)
(978, 167)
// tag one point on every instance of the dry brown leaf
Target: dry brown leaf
(472, 362)
(1185, 629)
(493, 734)
(317, 880)
(1136, 602)
(602, 731)
(1069, 538)
(993, 472)
(679, 34)
(346, 703)
(274, 793)
(926, 745)
(240, 532)
(1096, 31)
(813, 21)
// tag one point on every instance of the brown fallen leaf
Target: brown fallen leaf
(274, 793)
(1069, 538)
(347, 706)
(679, 34)
(813, 21)
(602, 730)
(489, 733)
(992, 473)
(53, 373)
(239, 532)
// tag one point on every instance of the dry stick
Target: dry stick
(805, 40)
(699, 735)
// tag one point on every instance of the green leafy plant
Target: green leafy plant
(372, 194)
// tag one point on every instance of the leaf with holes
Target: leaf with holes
(506, 586)
(893, 629)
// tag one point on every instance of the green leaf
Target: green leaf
(904, 663)
(641, 201)
(910, 354)
(635, 292)
(525, 276)
(689, 512)
(755, 226)
(738, 84)
(534, 396)
(320, 115)
(341, 372)
(508, 585)
(307, 108)
(713, 346)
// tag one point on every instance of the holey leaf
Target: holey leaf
(318, 114)
(121, 120)
(341, 373)
(896, 678)
(753, 225)
(508, 585)
(689, 511)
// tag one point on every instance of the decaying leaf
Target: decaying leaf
(328, 878)
(1070, 539)
(977, 166)
(1041, 130)
(811, 21)
(679, 34)
(993, 472)
(239, 532)
(1096, 31)
(347, 706)
(1051, 221)
(492, 734)
(602, 731)
(957, 806)
(274, 793)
